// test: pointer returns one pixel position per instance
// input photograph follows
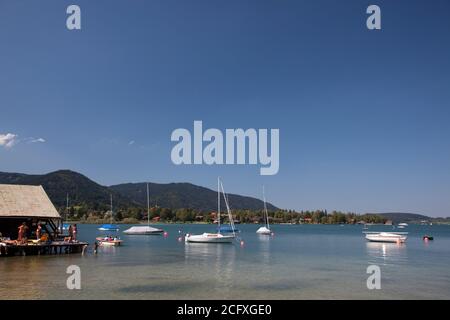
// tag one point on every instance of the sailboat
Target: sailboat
(109, 240)
(110, 226)
(265, 230)
(65, 226)
(216, 237)
(145, 230)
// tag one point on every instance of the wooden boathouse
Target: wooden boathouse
(30, 207)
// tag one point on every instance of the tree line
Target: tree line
(187, 215)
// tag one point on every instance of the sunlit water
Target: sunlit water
(299, 262)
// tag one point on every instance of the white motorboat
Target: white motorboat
(109, 241)
(387, 237)
(145, 230)
(216, 237)
(265, 230)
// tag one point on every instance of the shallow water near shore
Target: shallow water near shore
(298, 262)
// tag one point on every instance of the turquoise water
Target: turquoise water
(299, 262)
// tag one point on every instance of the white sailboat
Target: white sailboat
(110, 226)
(145, 230)
(109, 241)
(216, 237)
(265, 230)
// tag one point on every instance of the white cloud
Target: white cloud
(131, 142)
(37, 140)
(8, 140)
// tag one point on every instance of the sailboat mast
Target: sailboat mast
(265, 208)
(67, 205)
(148, 206)
(111, 210)
(230, 216)
(218, 203)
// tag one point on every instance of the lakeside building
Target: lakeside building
(30, 206)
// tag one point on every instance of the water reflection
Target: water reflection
(264, 247)
(215, 260)
(112, 250)
(387, 253)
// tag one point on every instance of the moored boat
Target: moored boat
(265, 230)
(108, 227)
(216, 237)
(210, 238)
(109, 241)
(386, 237)
(145, 230)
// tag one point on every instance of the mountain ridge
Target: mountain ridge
(84, 191)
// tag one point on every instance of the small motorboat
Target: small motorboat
(109, 241)
(386, 237)
(209, 238)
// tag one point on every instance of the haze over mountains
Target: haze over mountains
(84, 191)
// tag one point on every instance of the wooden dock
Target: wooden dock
(50, 248)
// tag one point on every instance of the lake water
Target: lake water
(299, 262)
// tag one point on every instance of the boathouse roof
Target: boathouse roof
(25, 201)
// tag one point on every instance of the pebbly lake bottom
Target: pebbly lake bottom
(298, 262)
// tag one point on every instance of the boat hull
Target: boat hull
(109, 243)
(144, 233)
(141, 230)
(209, 238)
(264, 231)
(386, 238)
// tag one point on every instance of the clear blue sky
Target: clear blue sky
(363, 115)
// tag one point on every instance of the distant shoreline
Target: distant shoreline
(209, 223)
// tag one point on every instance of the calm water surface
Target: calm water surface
(299, 262)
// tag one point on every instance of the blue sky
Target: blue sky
(363, 115)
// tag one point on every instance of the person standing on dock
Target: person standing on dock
(74, 232)
(70, 233)
(38, 232)
(22, 234)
